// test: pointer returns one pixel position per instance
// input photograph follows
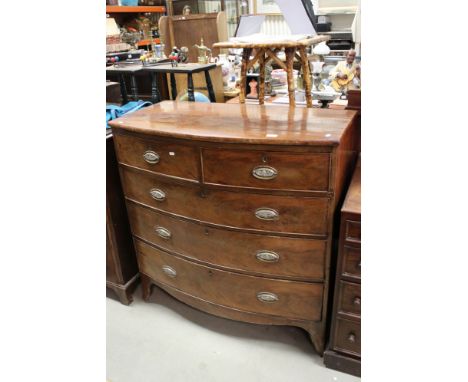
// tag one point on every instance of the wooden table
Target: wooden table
(267, 51)
(190, 69)
(121, 71)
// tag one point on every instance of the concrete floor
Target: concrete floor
(166, 340)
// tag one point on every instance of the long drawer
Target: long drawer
(267, 169)
(158, 156)
(291, 299)
(285, 214)
(264, 254)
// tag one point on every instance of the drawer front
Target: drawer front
(349, 299)
(158, 156)
(352, 262)
(353, 231)
(348, 337)
(283, 298)
(269, 255)
(271, 170)
(285, 214)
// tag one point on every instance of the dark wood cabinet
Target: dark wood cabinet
(232, 206)
(344, 352)
(121, 265)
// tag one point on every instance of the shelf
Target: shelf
(137, 9)
(143, 43)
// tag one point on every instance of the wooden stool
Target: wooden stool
(189, 69)
(268, 51)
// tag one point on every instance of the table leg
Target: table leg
(155, 95)
(123, 89)
(243, 77)
(191, 95)
(209, 85)
(134, 87)
(261, 88)
(306, 73)
(173, 86)
(289, 69)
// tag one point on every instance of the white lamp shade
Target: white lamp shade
(321, 49)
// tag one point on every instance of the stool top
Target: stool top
(272, 44)
(124, 68)
(181, 68)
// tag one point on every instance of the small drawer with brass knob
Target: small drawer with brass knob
(347, 337)
(349, 298)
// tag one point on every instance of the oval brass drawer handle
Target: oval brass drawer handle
(163, 232)
(158, 194)
(267, 297)
(265, 172)
(151, 157)
(169, 271)
(266, 213)
(267, 256)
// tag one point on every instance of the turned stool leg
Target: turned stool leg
(173, 86)
(155, 95)
(134, 88)
(289, 70)
(123, 89)
(190, 89)
(261, 89)
(209, 86)
(306, 73)
(245, 58)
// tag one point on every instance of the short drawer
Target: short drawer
(351, 266)
(295, 300)
(284, 214)
(271, 170)
(349, 298)
(264, 254)
(353, 231)
(347, 337)
(159, 156)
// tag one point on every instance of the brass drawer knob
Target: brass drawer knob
(158, 194)
(265, 172)
(266, 213)
(163, 232)
(169, 271)
(352, 338)
(267, 297)
(267, 256)
(357, 300)
(151, 157)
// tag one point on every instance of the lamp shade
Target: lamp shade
(321, 49)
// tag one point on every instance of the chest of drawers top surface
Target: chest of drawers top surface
(218, 122)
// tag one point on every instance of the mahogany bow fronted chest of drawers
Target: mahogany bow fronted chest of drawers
(231, 206)
(344, 352)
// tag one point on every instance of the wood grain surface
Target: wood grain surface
(297, 258)
(296, 300)
(237, 123)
